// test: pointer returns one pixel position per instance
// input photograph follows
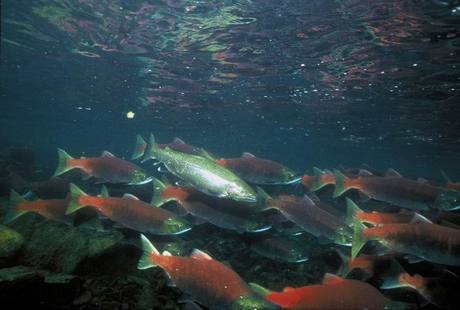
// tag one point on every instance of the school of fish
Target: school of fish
(377, 222)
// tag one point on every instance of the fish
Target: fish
(321, 179)
(130, 212)
(311, 218)
(52, 209)
(202, 173)
(431, 242)
(441, 291)
(204, 279)
(368, 264)
(261, 171)
(379, 218)
(333, 293)
(177, 145)
(139, 148)
(281, 249)
(224, 213)
(106, 168)
(399, 191)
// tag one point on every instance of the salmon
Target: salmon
(52, 209)
(333, 293)
(431, 242)
(257, 170)
(130, 212)
(204, 279)
(224, 213)
(399, 191)
(106, 168)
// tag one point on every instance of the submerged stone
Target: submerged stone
(10, 243)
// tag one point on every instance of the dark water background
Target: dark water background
(307, 83)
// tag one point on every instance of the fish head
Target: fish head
(139, 177)
(251, 302)
(175, 226)
(448, 200)
(239, 192)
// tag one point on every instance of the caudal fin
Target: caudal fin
(394, 276)
(151, 150)
(159, 187)
(146, 261)
(344, 268)
(340, 187)
(139, 148)
(63, 165)
(358, 239)
(352, 209)
(14, 213)
(261, 199)
(75, 194)
(318, 182)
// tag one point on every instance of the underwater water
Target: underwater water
(340, 85)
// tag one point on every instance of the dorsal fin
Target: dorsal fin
(328, 171)
(130, 196)
(330, 279)
(248, 155)
(178, 140)
(365, 173)
(104, 192)
(107, 154)
(392, 173)
(198, 254)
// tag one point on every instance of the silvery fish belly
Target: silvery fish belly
(206, 175)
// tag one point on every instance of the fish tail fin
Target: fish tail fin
(75, 194)
(139, 147)
(62, 166)
(259, 290)
(317, 181)
(146, 261)
(158, 188)
(358, 239)
(261, 199)
(352, 209)
(344, 268)
(340, 186)
(151, 150)
(104, 192)
(13, 212)
(392, 276)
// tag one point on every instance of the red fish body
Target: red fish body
(206, 280)
(432, 242)
(107, 168)
(333, 293)
(377, 218)
(258, 170)
(130, 212)
(52, 209)
(396, 190)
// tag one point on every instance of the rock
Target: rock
(10, 243)
(60, 248)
